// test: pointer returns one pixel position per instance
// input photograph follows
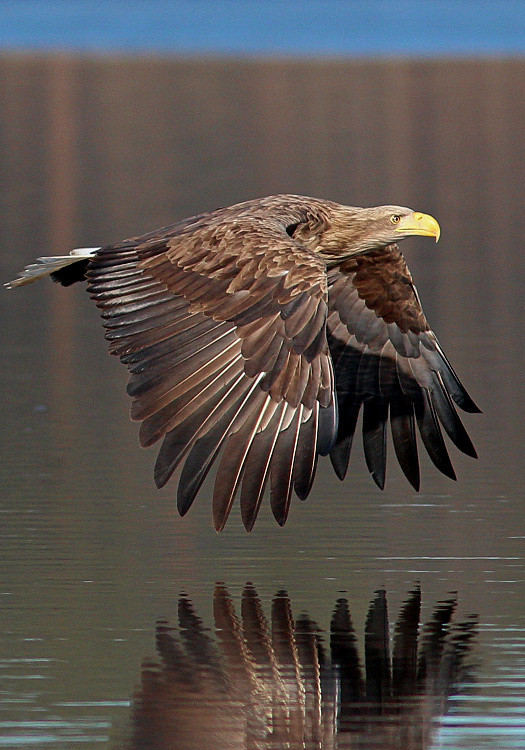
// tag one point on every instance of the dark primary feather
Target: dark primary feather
(256, 334)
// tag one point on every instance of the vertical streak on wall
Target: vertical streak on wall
(275, 134)
(400, 154)
(502, 139)
(62, 197)
(454, 135)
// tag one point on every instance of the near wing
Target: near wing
(388, 361)
(223, 328)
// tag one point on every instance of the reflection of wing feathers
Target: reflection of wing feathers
(387, 360)
(218, 330)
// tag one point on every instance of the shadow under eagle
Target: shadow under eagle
(261, 331)
(253, 682)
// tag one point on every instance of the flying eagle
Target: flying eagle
(261, 330)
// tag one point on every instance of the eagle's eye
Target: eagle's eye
(395, 219)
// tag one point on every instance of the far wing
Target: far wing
(223, 328)
(388, 362)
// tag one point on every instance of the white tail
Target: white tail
(48, 265)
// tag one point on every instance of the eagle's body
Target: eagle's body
(261, 330)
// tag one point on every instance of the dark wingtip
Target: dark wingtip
(468, 405)
(412, 474)
(161, 476)
(462, 441)
(340, 456)
(280, 510)
(248, 519)
(340, 466)
(184, 502)
(472, 452)
(302, 490)
(219, 523)
(379, 479)
(167, 460)
(413, 479)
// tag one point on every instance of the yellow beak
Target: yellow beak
(418, 223)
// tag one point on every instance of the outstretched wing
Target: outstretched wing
(388, 361)
(223, 328)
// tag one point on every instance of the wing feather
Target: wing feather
(177, 411)
(211, 417)
(307, 454)
(232, 464)
(389, 362)
(375, 417)
(431, 434)
(402, 423)
(257, 470)
(222, 325)
(281, 478)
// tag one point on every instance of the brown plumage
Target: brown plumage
(260, 331)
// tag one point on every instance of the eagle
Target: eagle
(256, 334)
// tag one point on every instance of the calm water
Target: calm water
(114, 630)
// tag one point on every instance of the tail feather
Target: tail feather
(51, 266)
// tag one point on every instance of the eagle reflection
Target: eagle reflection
(275, 683)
